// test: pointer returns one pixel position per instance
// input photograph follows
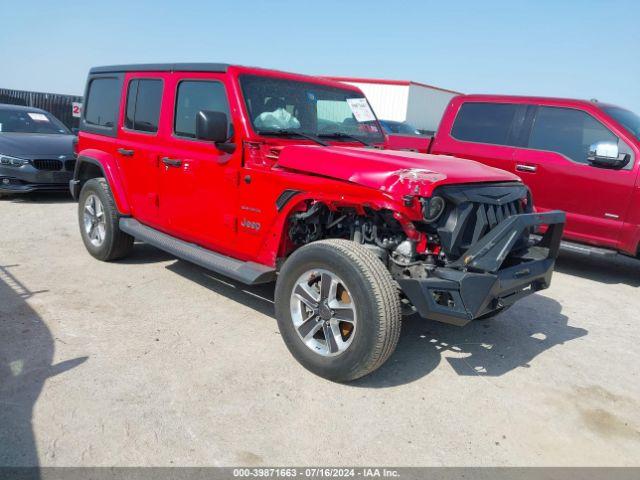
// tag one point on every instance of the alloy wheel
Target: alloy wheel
(94, 220)
(323, 312)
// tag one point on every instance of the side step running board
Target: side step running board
(245, 272)
(582, 248)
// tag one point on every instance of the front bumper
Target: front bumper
(491, 274)
(28, 179)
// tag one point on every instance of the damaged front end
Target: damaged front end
(470, 255)
(490, 261)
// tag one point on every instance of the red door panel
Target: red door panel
(595, 199)
(198, 182)
(139, 165)
(137, 150)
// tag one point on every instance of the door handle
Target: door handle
(171, 162)
(526, 168)
(126, 153)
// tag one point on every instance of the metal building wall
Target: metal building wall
(426, 106)
(389, 102)
(59, 105)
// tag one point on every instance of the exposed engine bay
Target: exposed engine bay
(453, 220)
(377, 230)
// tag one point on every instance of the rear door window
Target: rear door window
(102, 102)
(485, 122)
(568, 132)
(144, 98)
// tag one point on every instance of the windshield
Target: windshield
(627, 118)
(276, 104)
(25, 121)
(402, 128)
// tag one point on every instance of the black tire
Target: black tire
(376, 302)
(116, 244)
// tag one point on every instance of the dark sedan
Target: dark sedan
(36, 151)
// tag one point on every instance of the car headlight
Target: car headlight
(6, 160)
(432, 208)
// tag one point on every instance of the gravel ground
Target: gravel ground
(153, 361)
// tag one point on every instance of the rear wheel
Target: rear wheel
(338, 309)
(98, 217)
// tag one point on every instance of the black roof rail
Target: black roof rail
(163, 67)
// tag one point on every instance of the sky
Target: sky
(578, 49)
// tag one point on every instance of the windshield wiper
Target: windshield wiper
(346, 136)
(293, 133)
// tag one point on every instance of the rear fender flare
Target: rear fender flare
(107, 165)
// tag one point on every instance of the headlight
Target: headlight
(12, 161)
(432, 208)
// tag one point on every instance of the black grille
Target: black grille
(70, 165)
(475, 210)
(47, 164)
(487, 216)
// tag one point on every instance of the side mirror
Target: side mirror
(607, 155)
(213, 127)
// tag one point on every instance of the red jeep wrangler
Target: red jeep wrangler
(262, 175)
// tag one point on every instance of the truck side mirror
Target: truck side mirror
(213, 127)
(607, 155)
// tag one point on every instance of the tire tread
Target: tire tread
(386, 302)
(120, 244)
(386, 296)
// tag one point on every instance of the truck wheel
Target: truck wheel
(98, 217)
(338, 309)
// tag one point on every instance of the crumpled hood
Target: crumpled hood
(36, 145)
(396, 172)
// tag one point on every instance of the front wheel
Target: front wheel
(338, 309)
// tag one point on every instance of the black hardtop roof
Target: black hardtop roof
(163, 67)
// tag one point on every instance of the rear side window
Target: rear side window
(143, 105)
(484, 123)
(568, 132)
(102, 102)
(194, 96)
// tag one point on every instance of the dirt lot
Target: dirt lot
(153, 361)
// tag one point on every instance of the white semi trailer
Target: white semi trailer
(416, 103)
